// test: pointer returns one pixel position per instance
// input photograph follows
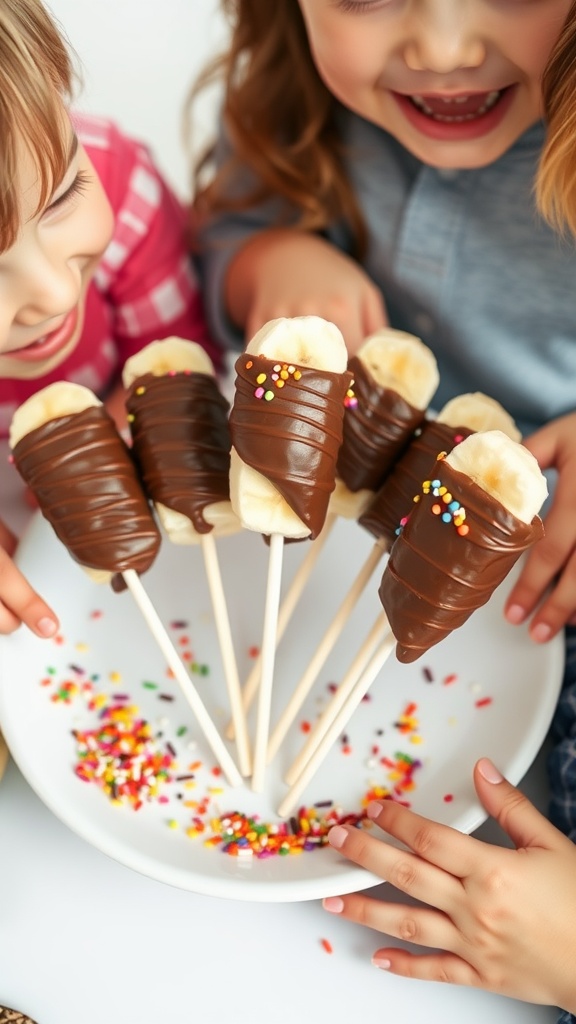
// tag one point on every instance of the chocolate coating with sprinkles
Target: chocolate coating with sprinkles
(437, 575)
(386, 514)
(286, 423)
(377, 428)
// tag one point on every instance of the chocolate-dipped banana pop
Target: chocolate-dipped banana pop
(286, 426)
(476, 515)
(181, 444)
(395, 377)
(180, 438)
(68, 451)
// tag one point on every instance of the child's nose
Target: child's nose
(444, 40)
(51, 287)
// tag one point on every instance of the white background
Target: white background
(138, 59)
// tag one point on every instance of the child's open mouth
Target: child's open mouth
(455, 109)
(459, 118)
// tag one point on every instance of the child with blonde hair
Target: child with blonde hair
(93, 251)
(380, 161)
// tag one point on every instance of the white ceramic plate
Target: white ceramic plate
(486, 690)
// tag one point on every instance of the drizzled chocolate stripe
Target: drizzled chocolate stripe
(435, 577)
(290, 433)
(395, 498)
(87, 488)
(376, 431)
(181, 442)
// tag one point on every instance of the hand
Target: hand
(547, 584)
(288, 273)
(502, 919)
(18, 601)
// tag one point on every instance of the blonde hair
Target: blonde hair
(36, 78)
(556, 180)
(280, 118)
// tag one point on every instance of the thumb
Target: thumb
(509, 807)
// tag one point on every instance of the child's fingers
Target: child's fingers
(515, 814)
(19, 602)
(559, 607)
(417, 874)
(550, 558)
(444, 967)
(420, 925)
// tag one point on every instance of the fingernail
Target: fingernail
(46, 627)
(489, 771)
(337, 836)
(334, 904)
(382, 962)
(515, 614)
(373, 810)
(541, 633)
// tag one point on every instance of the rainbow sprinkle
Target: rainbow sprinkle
(121, 757)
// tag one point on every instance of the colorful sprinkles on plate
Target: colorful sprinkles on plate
(134, 762)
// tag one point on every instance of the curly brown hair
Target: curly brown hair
(36, 77)
(280, 118)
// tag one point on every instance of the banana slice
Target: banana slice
(475, 517)
(180, 438)
(170, 355)
(403, 363)
(53, 401)
(286, 426)
(67, 449)
(478, 411)
(504, 469)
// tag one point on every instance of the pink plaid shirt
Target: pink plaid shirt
(144, 287)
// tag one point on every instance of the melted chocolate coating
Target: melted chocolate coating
(293, 438)
(81, 473)
(395, 499)
(435, 578)
(181, 442)
(376, 431)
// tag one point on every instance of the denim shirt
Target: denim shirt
(463, 261)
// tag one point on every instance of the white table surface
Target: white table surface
(85, 940)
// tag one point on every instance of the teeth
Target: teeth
(489, 102)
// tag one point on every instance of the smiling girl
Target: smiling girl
(93, 261)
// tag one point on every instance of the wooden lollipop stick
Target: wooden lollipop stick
(220, 608)
(165, 644)
(338, 724)
(289, 603)
(324, 648)
(375, 636)
(268, 659)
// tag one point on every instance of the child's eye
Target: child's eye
(78, 186)
(360, 6)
